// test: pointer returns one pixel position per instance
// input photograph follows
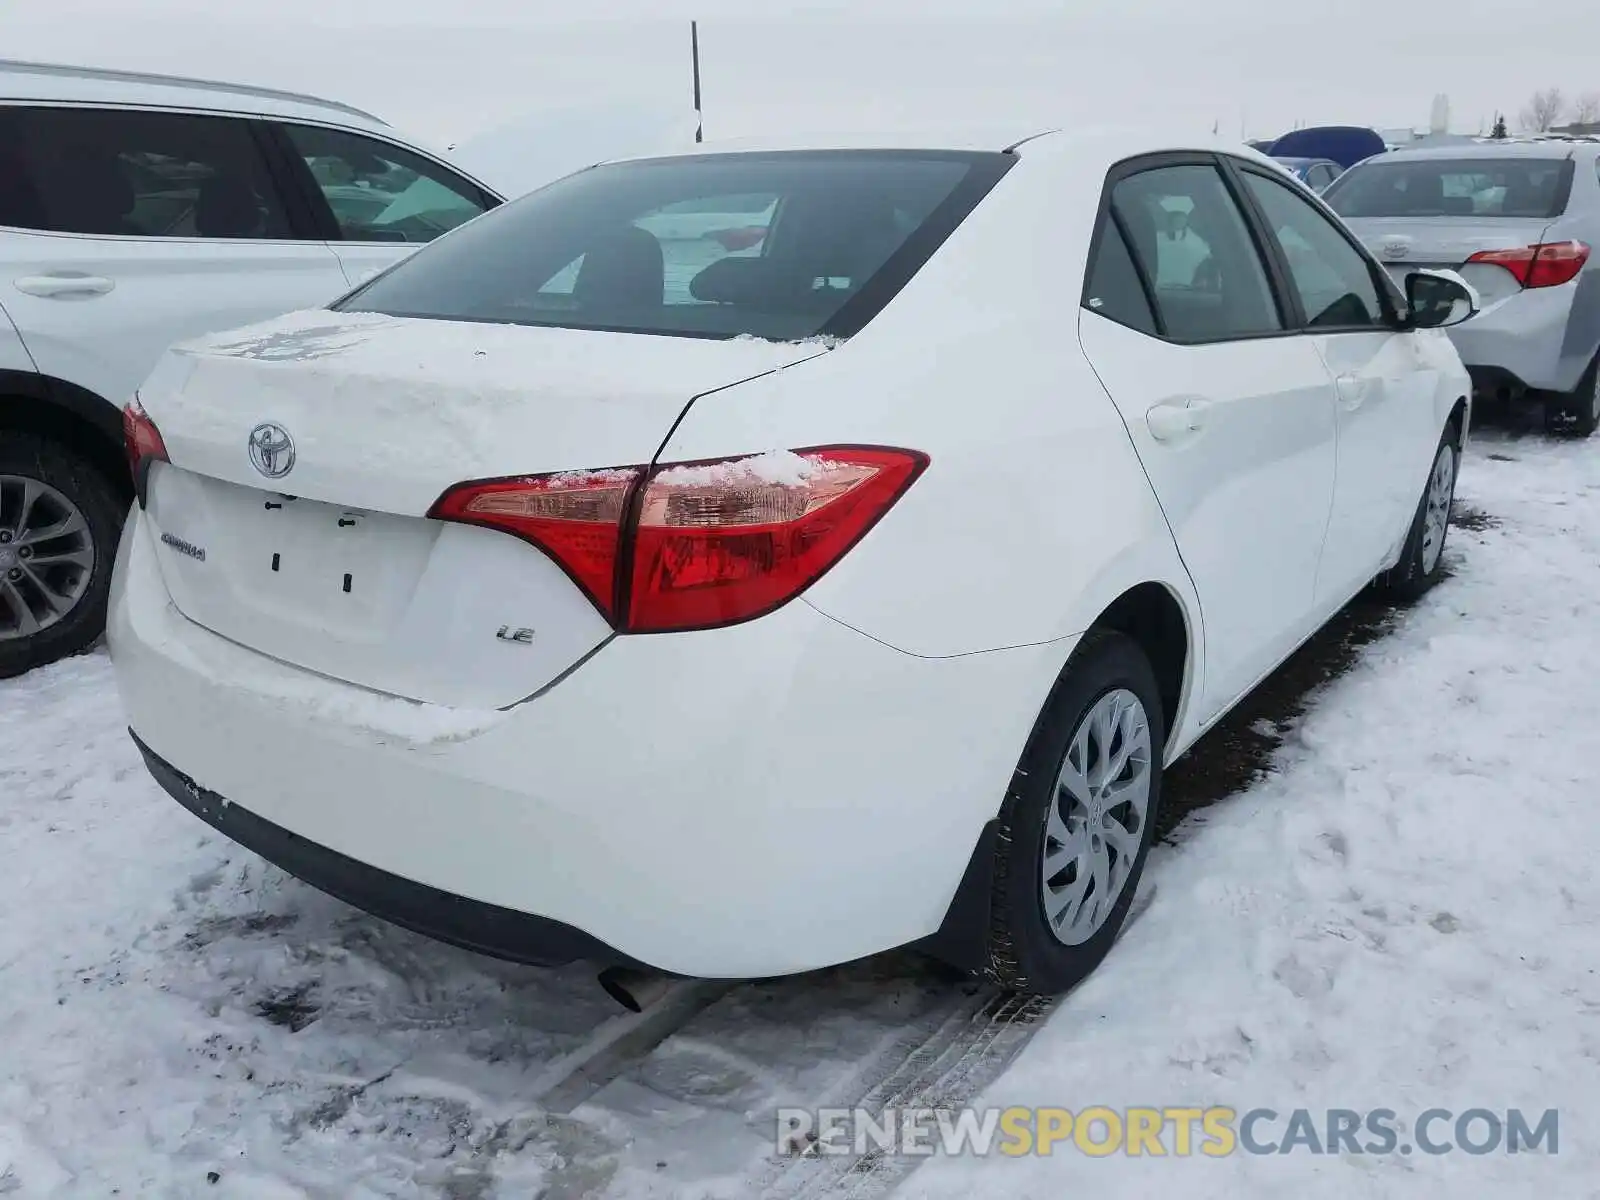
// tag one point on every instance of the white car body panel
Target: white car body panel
(591, 805)
(806, 787)
(139, 295)
(1391, 392)
(14, 355)
(1246, 492)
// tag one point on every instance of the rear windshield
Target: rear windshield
(1470, 187)
(782, 246)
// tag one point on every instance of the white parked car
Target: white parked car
(136, 210)
(855, 598)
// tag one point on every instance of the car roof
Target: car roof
(61, 83)
(1099, 147)
(1556, 148)
(992, 138)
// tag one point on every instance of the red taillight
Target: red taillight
(575, 517)
(141, 437)
(696, 545)
(1548, 264)
(718, 543)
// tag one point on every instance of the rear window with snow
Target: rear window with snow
(1532, 188)
(784, 246)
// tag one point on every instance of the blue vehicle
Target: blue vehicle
(1343, 144)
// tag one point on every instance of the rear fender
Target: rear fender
(67, 413)
(1582, 339)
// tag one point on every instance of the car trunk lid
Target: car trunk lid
(307, 452)
(1405, 244)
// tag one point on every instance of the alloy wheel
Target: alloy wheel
(47, 556)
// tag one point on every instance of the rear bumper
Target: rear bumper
(770, 798)
(485, 928)
(1540, 339)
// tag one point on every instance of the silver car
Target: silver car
(1518, 221)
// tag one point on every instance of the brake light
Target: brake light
(575, 517)
(720, 543)
(696, 545)
(140, 437)
(1548, 264)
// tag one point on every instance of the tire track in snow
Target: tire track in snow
(947, 1062)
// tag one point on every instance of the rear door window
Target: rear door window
(1530, 188)
(124, 173)
(1194, 246)
(379, 192)
(1114, 289)
(784, 245)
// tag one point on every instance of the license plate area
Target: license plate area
(343, 570)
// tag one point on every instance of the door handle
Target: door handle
(1352, 390)
(1174, 418)
(52, 286)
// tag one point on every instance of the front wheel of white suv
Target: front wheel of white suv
(59, 520)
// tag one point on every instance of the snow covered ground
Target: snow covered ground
(1399, 916)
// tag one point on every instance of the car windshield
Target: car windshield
(783, 246)
(1534, 188)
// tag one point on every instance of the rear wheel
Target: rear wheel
(59, 520)
(1576, 414)
(1077, 823)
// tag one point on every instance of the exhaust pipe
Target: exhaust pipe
(633, 989)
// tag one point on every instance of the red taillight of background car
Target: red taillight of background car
(741, 238)
(140, 437)
(1549, 264)
(696, 545)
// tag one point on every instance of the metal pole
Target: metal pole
(694, 49)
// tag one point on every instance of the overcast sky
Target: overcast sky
(445, 70)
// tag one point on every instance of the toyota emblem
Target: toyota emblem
(271, 450)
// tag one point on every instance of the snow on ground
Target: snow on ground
(1400, 917)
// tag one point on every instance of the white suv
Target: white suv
(136, 210)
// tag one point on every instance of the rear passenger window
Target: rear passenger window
(381, 193)
(1193, 243)
(1114, 290)
(138, 174)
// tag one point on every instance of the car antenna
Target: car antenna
(694, 51)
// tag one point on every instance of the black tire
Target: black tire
(1576, 414)
(1412, 577)
(77, 479)
(1024, 954)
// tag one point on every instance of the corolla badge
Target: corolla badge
(271, 450)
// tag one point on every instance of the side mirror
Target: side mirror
(1439, 299)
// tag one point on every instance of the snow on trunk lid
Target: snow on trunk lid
(307, 452)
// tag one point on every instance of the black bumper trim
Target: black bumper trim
(471, 924)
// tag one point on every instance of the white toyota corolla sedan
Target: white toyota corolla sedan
(833, 571)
